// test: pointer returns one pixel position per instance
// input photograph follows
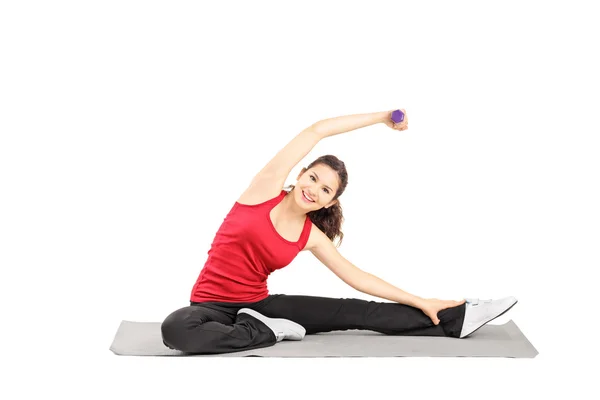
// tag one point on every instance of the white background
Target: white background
(129, 128)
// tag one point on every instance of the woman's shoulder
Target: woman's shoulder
(260, 191)
(316, 237)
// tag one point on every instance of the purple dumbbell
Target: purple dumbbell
(397, 116)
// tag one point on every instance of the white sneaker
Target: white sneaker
(480, 312)
(282, 328)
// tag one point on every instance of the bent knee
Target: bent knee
(173, 328)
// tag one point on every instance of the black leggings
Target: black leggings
(212, 327)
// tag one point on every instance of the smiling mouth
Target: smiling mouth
(307, 198)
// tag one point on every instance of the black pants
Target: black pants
(212, 328)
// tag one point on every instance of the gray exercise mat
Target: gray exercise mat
(507, 340)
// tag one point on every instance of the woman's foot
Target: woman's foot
(284, 329)
(480, 312)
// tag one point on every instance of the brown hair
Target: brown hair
(330, 220)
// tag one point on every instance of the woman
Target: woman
(230, 307)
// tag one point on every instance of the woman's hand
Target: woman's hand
(402, 126)
(432, 306)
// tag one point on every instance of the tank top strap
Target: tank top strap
(305, 232)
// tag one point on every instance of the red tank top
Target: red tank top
(245, 250)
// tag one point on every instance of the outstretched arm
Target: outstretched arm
(286, 159)
(374, 286)
(334, 126)
(324, 250)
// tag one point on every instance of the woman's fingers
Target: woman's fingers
(404, 124)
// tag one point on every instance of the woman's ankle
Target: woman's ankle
(451, 320)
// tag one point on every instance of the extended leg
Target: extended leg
(325, 314)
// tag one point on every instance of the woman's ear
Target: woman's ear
(333, 203)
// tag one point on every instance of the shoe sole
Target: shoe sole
(486, 322)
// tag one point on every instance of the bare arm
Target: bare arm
(324, 250)
(347, 123)
(286, 159)
(370, 284)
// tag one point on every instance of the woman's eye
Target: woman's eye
(325, 189)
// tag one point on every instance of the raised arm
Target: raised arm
(347, 123)
(286, 159)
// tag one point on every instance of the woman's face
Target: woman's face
(320, 184)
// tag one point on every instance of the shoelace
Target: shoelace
(477, 301)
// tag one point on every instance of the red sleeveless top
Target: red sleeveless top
(245, 250)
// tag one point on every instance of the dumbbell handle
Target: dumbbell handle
(397, 116)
